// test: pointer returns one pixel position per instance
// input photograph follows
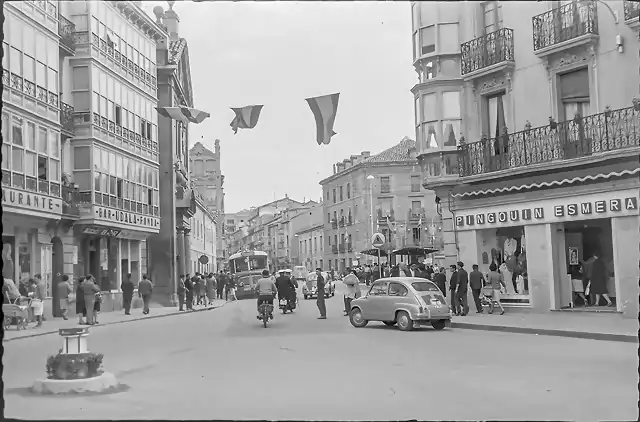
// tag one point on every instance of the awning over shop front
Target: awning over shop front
(374, 252)
(414, 251)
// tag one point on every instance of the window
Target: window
(348, 190)
(416, 208)
(43, 173)
(54, 144)
(5, 156)
(429, 107)
(415, 183)
(328, 217)
(574, 94)
(379, 288)
(416, 234)
(118, 116)
(385, 185)
(492, 16)
(17, 159)
(397, 289)
(334, 196)
(30, 164)
(81, 77)
(448, 40)
(427, 17)
(16, 61)
(42, 141)
(29, 68)
(31, 136)
(495, 123)
(428, 40)
(341, 196)
(451, 116)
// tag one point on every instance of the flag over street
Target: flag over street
(183, 114)
(246, 117)
(324, 110)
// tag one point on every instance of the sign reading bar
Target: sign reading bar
(13, 198)
(608, 204)
(126, 217)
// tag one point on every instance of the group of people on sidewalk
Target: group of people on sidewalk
(204, 289)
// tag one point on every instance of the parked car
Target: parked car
(405, 301)
(310, 288)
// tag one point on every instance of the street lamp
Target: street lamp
(370, 178)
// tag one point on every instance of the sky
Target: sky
(280, 53)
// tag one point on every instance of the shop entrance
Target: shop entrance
(589, 259)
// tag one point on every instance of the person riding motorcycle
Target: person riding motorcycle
(266, 290)
(286, 288)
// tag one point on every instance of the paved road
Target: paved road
(223, 365)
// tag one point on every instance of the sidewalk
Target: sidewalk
(51, 326)
(596, 326)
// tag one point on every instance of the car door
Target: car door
(375, 301)
(398, 297)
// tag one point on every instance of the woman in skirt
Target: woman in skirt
(81, 311)
(96, 307)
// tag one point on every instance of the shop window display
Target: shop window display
(505, 247)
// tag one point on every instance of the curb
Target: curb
(45, 333)
(624, 338)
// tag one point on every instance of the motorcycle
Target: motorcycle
(266, 313)
(286, 304)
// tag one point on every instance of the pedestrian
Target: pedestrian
(230, 288)
(367, 274)
(145, 289)
(64, 289)
(188, 284)
(462, 290)
(496, 280)
(202, 290)
(81, 311)
(211, 288)
(127, 294)
(455, 306)
(220, 283)
(353, 291)
(40, 294)
(598, 281)
(89, 290)
(440, 278)
(320, 301)
(96, 307)
(181, 292)
(476, 282)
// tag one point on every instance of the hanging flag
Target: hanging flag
(183, 114)
(324, 110)
(246, 117)
(420, 221)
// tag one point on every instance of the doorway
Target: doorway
(57, 271)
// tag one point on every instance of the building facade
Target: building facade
(547, 169)
(381, 193)
(307, 248)
(206, 173)
(39, 200)
(203, 239)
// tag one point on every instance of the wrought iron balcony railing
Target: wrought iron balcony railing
(382, 216)
(565, 23)
(341, 222)
(493, 48)
(66, 28)
(631, 10)
(66, 117)
(334, 224)
(579, 137)
(70, 200)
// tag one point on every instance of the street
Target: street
(223, 364)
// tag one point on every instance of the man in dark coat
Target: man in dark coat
(322, 307)
(462, 289)
(127, 294)
(476, 282)
(189, 287)
(284, 285)
(222, 281)
(441, 280)
(452, 288)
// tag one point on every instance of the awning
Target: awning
(374, 252)
(414, 250)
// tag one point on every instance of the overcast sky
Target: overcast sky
(278, 54)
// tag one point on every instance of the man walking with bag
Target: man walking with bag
(127, 294)
(145, 289)
(462, 289)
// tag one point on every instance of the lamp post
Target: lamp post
(370, 178)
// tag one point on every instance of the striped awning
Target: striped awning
(183, 114)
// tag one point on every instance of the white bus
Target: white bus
(247, 267)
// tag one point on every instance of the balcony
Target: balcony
(580, 137)
(334, 224)
(66, 118)
(568, 26)
(485, 55)
(341, 222)
(186, 200)
(383, 215)
(66, 30)
(349, 221)
(334, 248)
(416, 215)
(632, 14)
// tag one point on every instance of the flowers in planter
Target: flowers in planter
(78, 366)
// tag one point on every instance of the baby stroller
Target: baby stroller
(486, 298)
(16, 313)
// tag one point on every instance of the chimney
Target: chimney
(347, 163)
(339, 167)
(217, 147)
(354, 159)
(365, 154)
(334, 169)
(171, 21)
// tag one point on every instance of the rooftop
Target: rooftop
(398, 152)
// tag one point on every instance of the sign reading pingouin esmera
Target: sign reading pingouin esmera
(550, 211)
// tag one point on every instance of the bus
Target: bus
(247, 268)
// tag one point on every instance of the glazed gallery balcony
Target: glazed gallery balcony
(66, 30)
(632, 13)
(490, 50)
(580, 137)
(573, 21)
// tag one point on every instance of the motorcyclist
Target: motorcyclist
(284, 285)
(266, 290)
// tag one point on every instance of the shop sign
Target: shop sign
(30, 201)
(555, 210)
(126, 217)
(99, 231)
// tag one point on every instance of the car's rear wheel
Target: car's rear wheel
(356, 318)
(306, 297)
(438, 324)
(389, 323)
(404, 321)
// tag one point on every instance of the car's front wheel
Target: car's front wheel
(356, 318)
(404, 321)
(438, 324)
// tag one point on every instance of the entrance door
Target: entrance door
(46, 252)
(57, 269)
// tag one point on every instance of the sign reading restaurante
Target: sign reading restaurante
(30, 201)
(551, 211)
(126, 217)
